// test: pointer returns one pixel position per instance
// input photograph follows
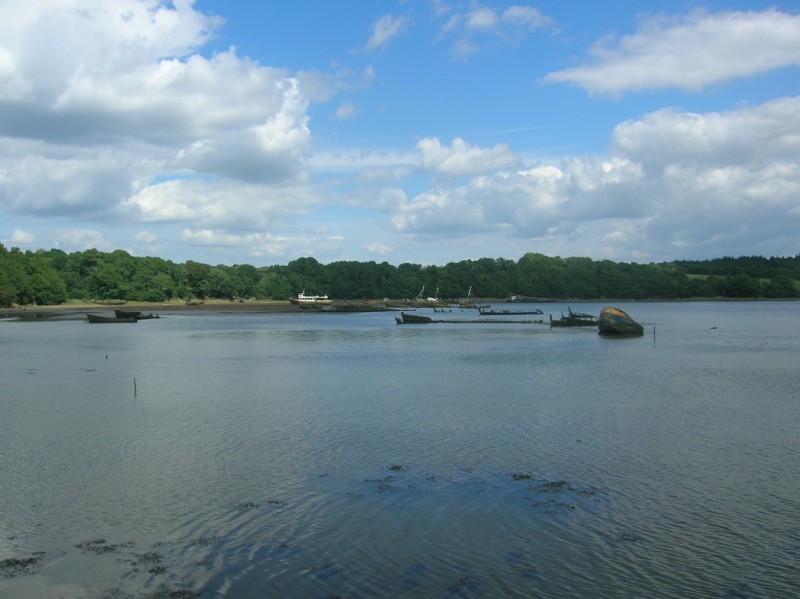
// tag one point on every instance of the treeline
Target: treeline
(53, 277)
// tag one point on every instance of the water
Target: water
(324, 455)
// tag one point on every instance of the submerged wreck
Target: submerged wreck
(574, 319)
(405, 318)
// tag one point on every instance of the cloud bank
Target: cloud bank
(120, 117)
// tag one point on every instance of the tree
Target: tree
(197, 275)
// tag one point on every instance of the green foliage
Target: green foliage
(52, 276)
(29, 278)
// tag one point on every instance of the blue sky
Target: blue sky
(232, 132)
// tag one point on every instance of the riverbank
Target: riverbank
(71, 308)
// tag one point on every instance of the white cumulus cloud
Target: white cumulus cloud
(673, 184)
(462, 158)
(689, 53)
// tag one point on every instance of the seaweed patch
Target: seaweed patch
(205, 541)
(100, 546)
(553, 487)
(384, 484)
(464, 584)
(150, 561)
(16, 566)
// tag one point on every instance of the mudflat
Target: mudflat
(175, 306)
(74, 309)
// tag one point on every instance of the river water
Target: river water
(342, 455)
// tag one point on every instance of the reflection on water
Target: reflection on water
(317, 455)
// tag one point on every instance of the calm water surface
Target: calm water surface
(324, 455)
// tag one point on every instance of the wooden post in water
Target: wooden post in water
(134, 387)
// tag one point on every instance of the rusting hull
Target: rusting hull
(614, 321)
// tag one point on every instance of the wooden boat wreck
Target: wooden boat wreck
(471, 302)
(134, 314)
(431, 301)
(614, 321)
(97, 319)
(485, 312)
(574, 319)
(412, 319)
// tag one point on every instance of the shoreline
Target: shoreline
(178, 306)
(72, 309)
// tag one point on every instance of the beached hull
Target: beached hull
(94, 318)
(135, 314)
(614, 321)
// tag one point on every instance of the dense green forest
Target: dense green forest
(54, 277)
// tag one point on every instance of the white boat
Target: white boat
(310, 300)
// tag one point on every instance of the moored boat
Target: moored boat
(310, 300)
(614, 321)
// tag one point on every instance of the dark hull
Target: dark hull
(614, 321)
(134, 314)
(413, 319)
(508, 312)
(94, 318)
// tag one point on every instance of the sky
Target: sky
(422, 131)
